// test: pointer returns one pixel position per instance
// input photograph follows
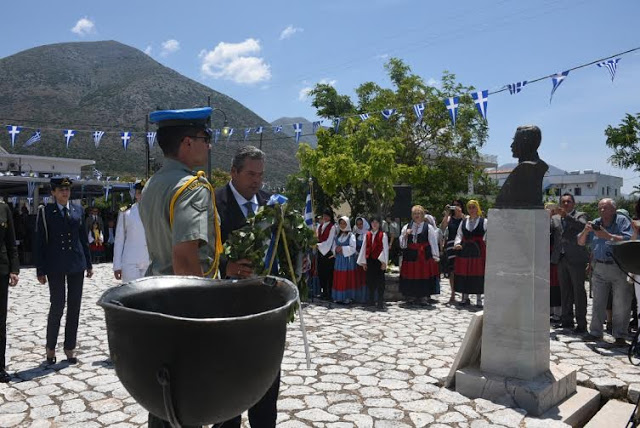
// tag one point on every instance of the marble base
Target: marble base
(469, 352)
(536, 396)
(515, 337)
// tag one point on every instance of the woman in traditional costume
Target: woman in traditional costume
(374, 257)
(453, 216)
(419, 272)
(469, 263)
(360, 286)
(344, 270)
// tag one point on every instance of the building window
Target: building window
(608, 189)
(577, 191)
(615, 192)
(603, 191)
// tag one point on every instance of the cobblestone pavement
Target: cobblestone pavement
(369, 368)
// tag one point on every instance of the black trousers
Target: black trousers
(263, 414)
(58, 290)
(375, 280)
(4, 304)
(571, 278)
(325, 273)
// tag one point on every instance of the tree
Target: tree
(361, 163)
(624, 141)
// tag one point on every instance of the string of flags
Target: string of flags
(452, 104)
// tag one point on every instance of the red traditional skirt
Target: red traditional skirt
(419, 272)
(469, 266)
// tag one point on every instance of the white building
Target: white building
(586, 186)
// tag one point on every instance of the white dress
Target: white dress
(130, 248)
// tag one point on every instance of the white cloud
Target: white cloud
(382, 56)
(147, 50)
(290, 31)
(304, 92)
(83, 27)
(236, 61)
(170, 46)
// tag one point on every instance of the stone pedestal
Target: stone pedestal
(515, 337)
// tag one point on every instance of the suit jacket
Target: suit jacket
(231, 216)
(9, 262)
(566, 238)
(61, 246)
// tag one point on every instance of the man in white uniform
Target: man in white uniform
(130, 255)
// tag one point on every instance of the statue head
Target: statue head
(526, 142)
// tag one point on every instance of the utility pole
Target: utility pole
(261, 140)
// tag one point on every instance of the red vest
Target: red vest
(374, 248)
(325, 233)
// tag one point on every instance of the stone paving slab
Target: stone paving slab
(369, 368)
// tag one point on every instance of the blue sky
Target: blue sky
(243, 49)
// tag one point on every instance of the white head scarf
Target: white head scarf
(361, 230)
(348, 221)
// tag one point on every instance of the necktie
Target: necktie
(249, 206)
(65, 214)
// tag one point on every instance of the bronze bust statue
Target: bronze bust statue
(523, 187)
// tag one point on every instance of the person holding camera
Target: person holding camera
(571, 260)
(610, 227)
(449, 226)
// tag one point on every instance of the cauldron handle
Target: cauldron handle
(164, 379)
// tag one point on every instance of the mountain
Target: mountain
(307, 129)
(112, 87)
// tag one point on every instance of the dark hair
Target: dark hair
(573, 200)
(375, 218)
(170, 137)
(329, 212)
(243, 153)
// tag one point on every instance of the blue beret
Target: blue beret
(60, 182)
(196, 117)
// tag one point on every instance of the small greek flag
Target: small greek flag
(308, 211)
(297, 128)
(277, 199)
(452, 105)
(34, 138)
(364, 116)
(388, 112)
(230, 134)
(68, 136)
(151, 139)
(418, 109)
(316, 125)
(125, 137)
(611, 66)
(515, 88)
(336, 124)
(247, 131)
(216, 136)
(277, 128)
(557, 80)
(97, 136)
(13, 132)
(258, 130)
(481, 98)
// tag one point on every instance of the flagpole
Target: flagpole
(146, 150)
(313, 212)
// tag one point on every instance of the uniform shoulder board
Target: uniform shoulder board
(124, 208)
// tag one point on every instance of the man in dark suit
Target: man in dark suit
(62, 254)
(236, 202)
(572, 260)
(9, 271)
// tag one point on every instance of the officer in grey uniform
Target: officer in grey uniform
(177, 209)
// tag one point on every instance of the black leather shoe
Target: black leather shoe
(4, 376)
(72, 360)
(51, 360)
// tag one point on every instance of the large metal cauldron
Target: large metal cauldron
(627, 255)
(196, 351)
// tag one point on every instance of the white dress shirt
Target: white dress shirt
(384, 254)
(325, 247)
(241, 200)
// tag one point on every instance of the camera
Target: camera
(595, 225)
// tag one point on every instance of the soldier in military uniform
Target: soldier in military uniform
(62, 254)
(177, 208)
(130, 255)
(9, 270)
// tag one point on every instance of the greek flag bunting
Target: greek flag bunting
(125, 137)
(336, 124)
(229, 134)
(297, 128)
(277, 199)
(34, 138)
(216, 136)
(557, 80)
(308, 211)
(97, 136)
(611, 66)
(481, 98)
(258, 130)
(68, 136)
(316, 125)
(452, 105)
(515, 88)
(364, 116)
(247, 131)
(13, 132)
(418, 109)
(277, 128)
(151, 139)
(388, 112)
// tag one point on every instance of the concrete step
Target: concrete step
(614, 414)
(577, 409)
